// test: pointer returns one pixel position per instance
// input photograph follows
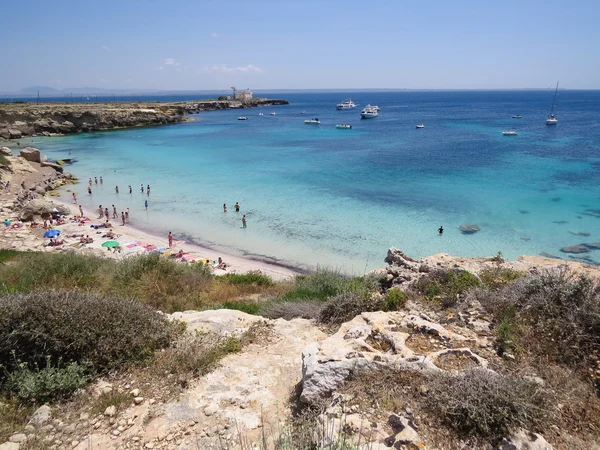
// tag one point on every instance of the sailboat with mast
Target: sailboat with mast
(552, 120)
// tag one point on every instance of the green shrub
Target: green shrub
(77, 327)
(247, 278)
(291, 310)
(482, 403)
(322, 285)
(394, 299)
(447, 285)
(498, 276)
(346, 306)
(247, 307)
(32, 270)
(4, 160)
(46, 384)
(6, 255)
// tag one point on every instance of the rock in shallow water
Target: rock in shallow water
(468, 229)
(575, 249)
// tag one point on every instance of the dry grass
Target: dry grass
(13, 417)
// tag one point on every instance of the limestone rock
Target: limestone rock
(135, 393)
(31, 154)
(18, 438)
(39, 206)
(9, 446)
(525, 440)
(41, 415)
(138, 400)
(110, 411)
(5, 151)
(378, 339)
(221, 321)
(57, 167)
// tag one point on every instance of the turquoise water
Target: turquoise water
(315, 195)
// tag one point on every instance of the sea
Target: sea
(317, 196)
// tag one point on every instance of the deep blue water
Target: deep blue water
(319, 195)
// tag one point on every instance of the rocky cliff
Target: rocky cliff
(49, 119)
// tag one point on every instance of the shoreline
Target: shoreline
(236, 264)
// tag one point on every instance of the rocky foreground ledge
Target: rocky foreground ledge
(56, 119)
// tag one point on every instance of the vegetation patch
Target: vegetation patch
(446, 286)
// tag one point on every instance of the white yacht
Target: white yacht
(273, 113)
(314, 121)
(343, 126)
(420, 125)
(552, 120)
(517, 116)
(242, 118)
(509, 133)
(369, 112)
(346, 104)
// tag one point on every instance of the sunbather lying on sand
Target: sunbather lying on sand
(86, 240)
(55, 242)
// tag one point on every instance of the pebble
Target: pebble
(110, 411)
(210, 409)
(135, 393)
(138, 400)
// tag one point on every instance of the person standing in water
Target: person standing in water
(142, 187)
(237, 207)
(148, 190)
(244, 221)
(146, 204)
(127, 215)
(441, 230)
(106, 214)
(224, 207)
(130, 190)
(75, 197)
(81, 210)
(117, 189)
(115, 215)
(123, 217)
(170, 240)
(89, 190)
(96, 180)
(101, 180)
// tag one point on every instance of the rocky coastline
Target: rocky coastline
(56, 119)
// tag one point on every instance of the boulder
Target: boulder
(593, 246)
(31, 154)
(14, 133)
(5, 151)
(575, 249)
(468, 228)
(525, 440)
(10, 446)
(39, 206)
(221, 321)
(41, 415)
(57, 167)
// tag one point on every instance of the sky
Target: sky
(300, 44)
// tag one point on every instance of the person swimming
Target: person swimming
(441, 230)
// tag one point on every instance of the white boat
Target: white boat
(375, 107)
(346, 104)
(517, 116)
(273, 113)
(302, 112)
(420, 125)
(242, 118)
(344, 126)
(260, 114)
(509, 133)
(314, 121)
(369, 112)
(552, 120)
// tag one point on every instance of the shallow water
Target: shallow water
(315, 195)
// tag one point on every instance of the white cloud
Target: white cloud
(250, 68)
(106, 48)
(214, 35)
(169, 62)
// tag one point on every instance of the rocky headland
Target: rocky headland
(56, 119)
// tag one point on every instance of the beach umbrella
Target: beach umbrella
(51, 233)
(110, 244)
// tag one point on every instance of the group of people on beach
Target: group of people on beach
(237, 210)
(101, 181)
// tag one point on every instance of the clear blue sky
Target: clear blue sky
(300, 44)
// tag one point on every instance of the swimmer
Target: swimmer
(130, 191)
(224, 207)
(96, 180)
(123, 217)
(101, 180)
(237, 207)
(148, 190)
(244, 221)
(142, 187)
(117, 189)
(441, 230)
(89, 190)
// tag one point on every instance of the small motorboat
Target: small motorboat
(420, 125)
(314, 121)
(273, 113)
(260, 114)
(343, 126)
(517, 116)
(509, 133)
(242, 118)
(303, 112)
